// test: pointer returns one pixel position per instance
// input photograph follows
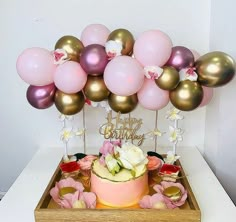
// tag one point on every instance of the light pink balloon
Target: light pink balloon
(124, 76)
(151, 97)
(36, 66)
(207, 95)
(70, 77)
(153, 47)
(95, 34)
(196, 55)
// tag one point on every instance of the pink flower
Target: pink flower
(107, 148)
(60, 56)
(89, 198)
(86, 162)
(153, 72)
(155, 201)
(153, 163)
(170, 203)
(70, 199)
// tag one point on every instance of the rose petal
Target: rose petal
(89, 198)
(71, 198)
(158, 188)
(145, 202)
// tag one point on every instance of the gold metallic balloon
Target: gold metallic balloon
(125, 37)
(215, 69)
(71, 45)
(95, 89)
(69, 104)
(187, 95)
(169, 79)
(123, 104)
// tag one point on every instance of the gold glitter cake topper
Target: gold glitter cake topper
(122, 128)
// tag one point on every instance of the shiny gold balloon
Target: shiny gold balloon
(125, 37)
(69, 104)
(123, 104)
(215, 69)
(169, 79)
(187, 95)
(95, 89)
(71, 45)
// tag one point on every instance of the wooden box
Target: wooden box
(47, 211)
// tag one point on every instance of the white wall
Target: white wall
(41, 23)
(220, 128)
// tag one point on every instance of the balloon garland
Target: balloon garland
(113, 66)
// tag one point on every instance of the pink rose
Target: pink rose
(153, 163)
(86, 162)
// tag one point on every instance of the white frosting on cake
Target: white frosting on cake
(123, 175)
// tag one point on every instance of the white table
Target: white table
(21, 199)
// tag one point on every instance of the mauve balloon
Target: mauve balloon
(41, 97)
(181, 57)
(94, 59)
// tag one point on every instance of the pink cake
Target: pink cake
(119, 194)
(121, 178)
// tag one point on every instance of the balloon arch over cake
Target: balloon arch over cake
(116, 72)
(112, 69)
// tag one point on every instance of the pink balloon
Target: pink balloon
(70, 77)
(196, 55)
(153, 48)
(124, 76)
(95, 34)
(207, 95)
(151, 97)
(36, 66)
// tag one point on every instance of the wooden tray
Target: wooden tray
(48, 211)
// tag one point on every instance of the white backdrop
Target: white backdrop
(27, 23)
(220, 141)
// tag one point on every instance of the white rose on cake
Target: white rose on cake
(132, 158)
